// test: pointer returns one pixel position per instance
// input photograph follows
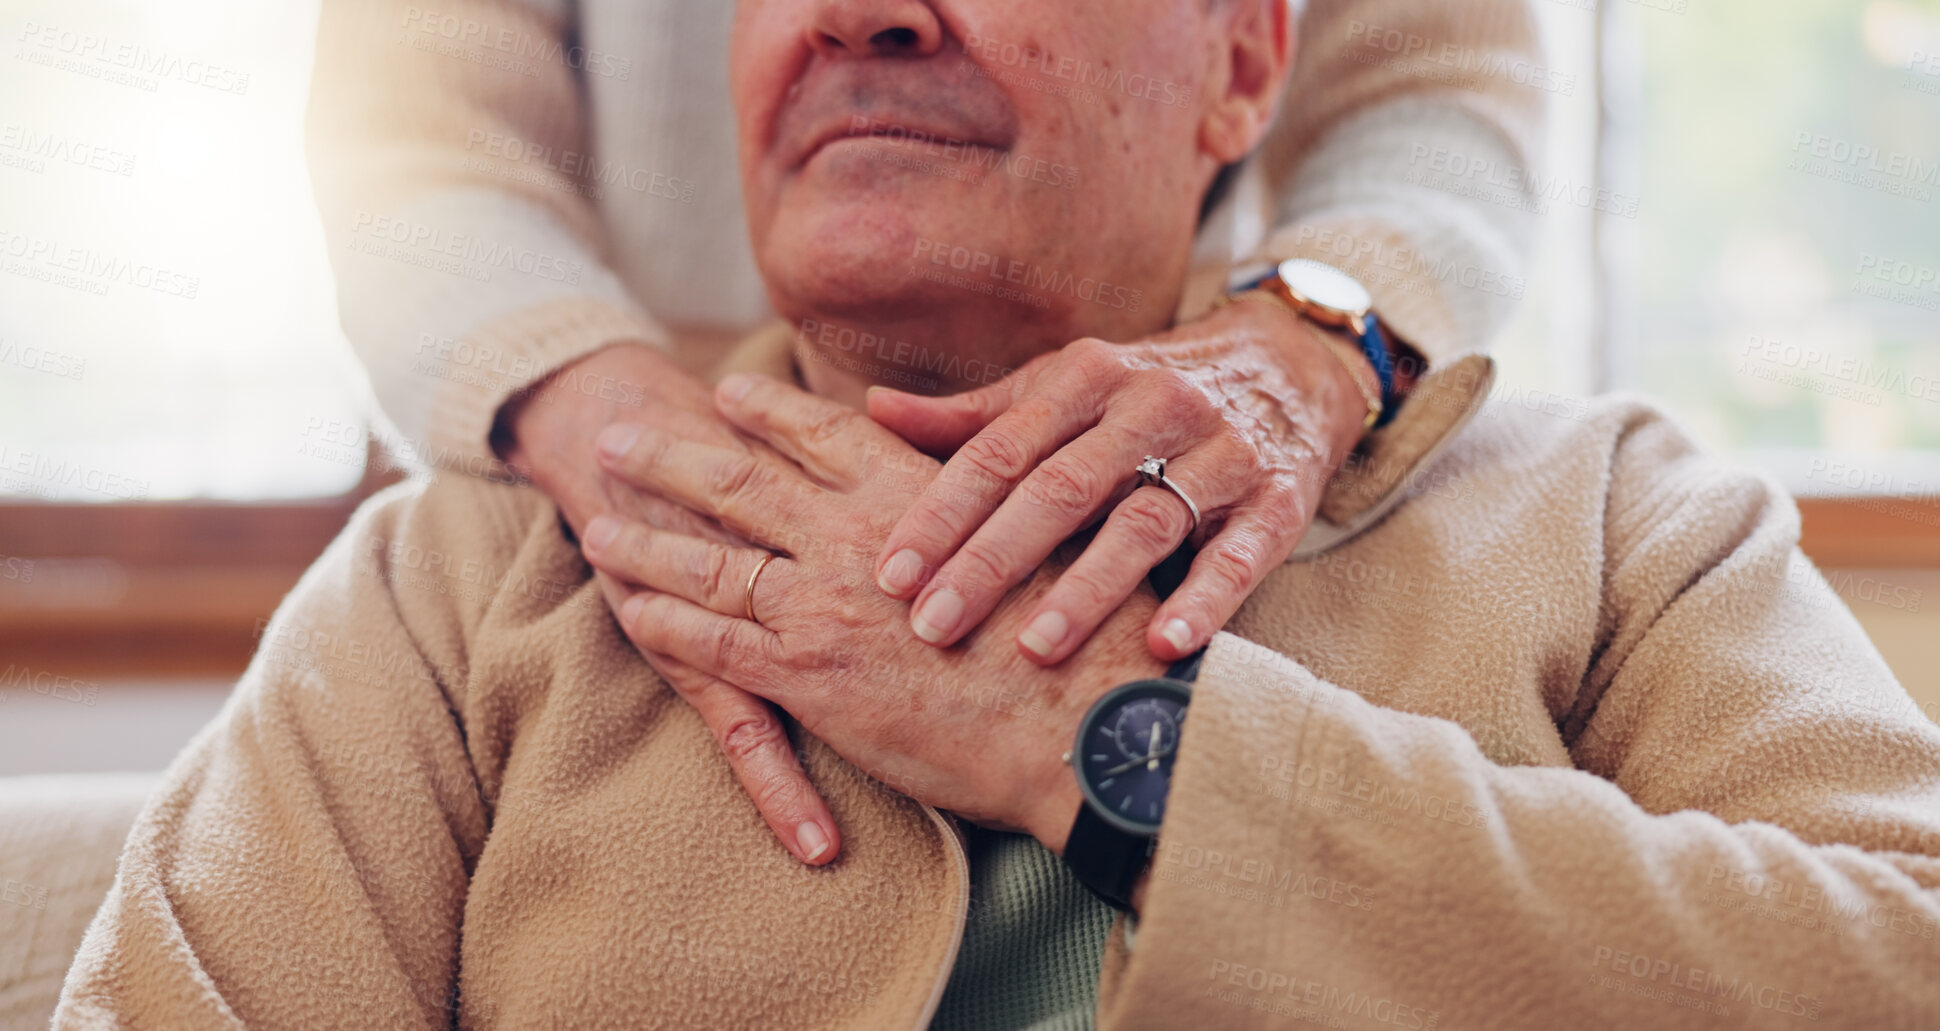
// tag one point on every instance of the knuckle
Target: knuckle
(826, 424)
(1068, 487)
(1176, 389)
(749, 735)
(981, 564)
(632, 549)
(1036, 410)
(649, 452)
(996, 454)
(737, 480)
(1097, 368)
(714, 575)
(1092, 351)
(725, 653)
(1155, 522)
(1090, 595)
(739, 652)
(1231, 569)
(931, 524)
(814, 660)
(1281, 506)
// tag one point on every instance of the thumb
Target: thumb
(938, 426)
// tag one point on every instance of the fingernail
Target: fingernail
(810, 839)
(630, 610)
(938, 616)
(1045, 633)
(616, 440)
(734, 388)
(899, 574)
(601, 531)
(1177, 633)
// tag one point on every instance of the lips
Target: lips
(921, 100)
(892, 127)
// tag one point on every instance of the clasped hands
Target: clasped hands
(1253, 415)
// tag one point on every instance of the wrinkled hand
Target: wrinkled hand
(609, 396)
(551, 430)
(1252, 413)
(975, 729)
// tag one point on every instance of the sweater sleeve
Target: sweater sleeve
(1382, 93)
(449, 154)
(304, 863)
(1751, 835)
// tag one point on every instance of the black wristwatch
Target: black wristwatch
(1123, 758)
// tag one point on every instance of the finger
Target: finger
(971, 486)
(752, 737)
(1141, 531)
(623, 500)
(938, 426)
(733, 649)
(707, 573)
(749, 494)
(1054, 501)
(1223, 575)
(832, 441)
(772, 777)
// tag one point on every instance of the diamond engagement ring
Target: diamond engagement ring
(1152, 473)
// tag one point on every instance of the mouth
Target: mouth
(893, 104)
(890, 131)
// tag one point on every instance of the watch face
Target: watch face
(1125, 751)
(1325, 286)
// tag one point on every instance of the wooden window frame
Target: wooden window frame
(155, 589)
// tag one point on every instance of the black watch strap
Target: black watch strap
(1108, 860)
(1186, 669)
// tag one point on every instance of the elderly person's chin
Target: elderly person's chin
(848, 259)
(871, 264)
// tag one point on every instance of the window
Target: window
(1780, 283)
(1738, 219)
(167, 329)
(180, 427)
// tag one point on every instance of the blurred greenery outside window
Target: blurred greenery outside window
(1787, 250)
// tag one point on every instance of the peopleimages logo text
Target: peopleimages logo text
(1027, 275)
(1868, 158)
(1074, 70)
(517, 43)
(133, 58)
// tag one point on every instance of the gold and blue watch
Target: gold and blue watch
(1334, 300)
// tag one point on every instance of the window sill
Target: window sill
(1871, 532)
(183, 589)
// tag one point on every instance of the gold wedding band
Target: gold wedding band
(752, 577)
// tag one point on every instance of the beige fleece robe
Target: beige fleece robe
(1574, 737)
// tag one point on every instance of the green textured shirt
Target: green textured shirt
(1032, 944)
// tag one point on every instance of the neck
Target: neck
(841, 360)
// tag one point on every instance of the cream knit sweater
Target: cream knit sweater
(508, 185)
(1574, 738)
